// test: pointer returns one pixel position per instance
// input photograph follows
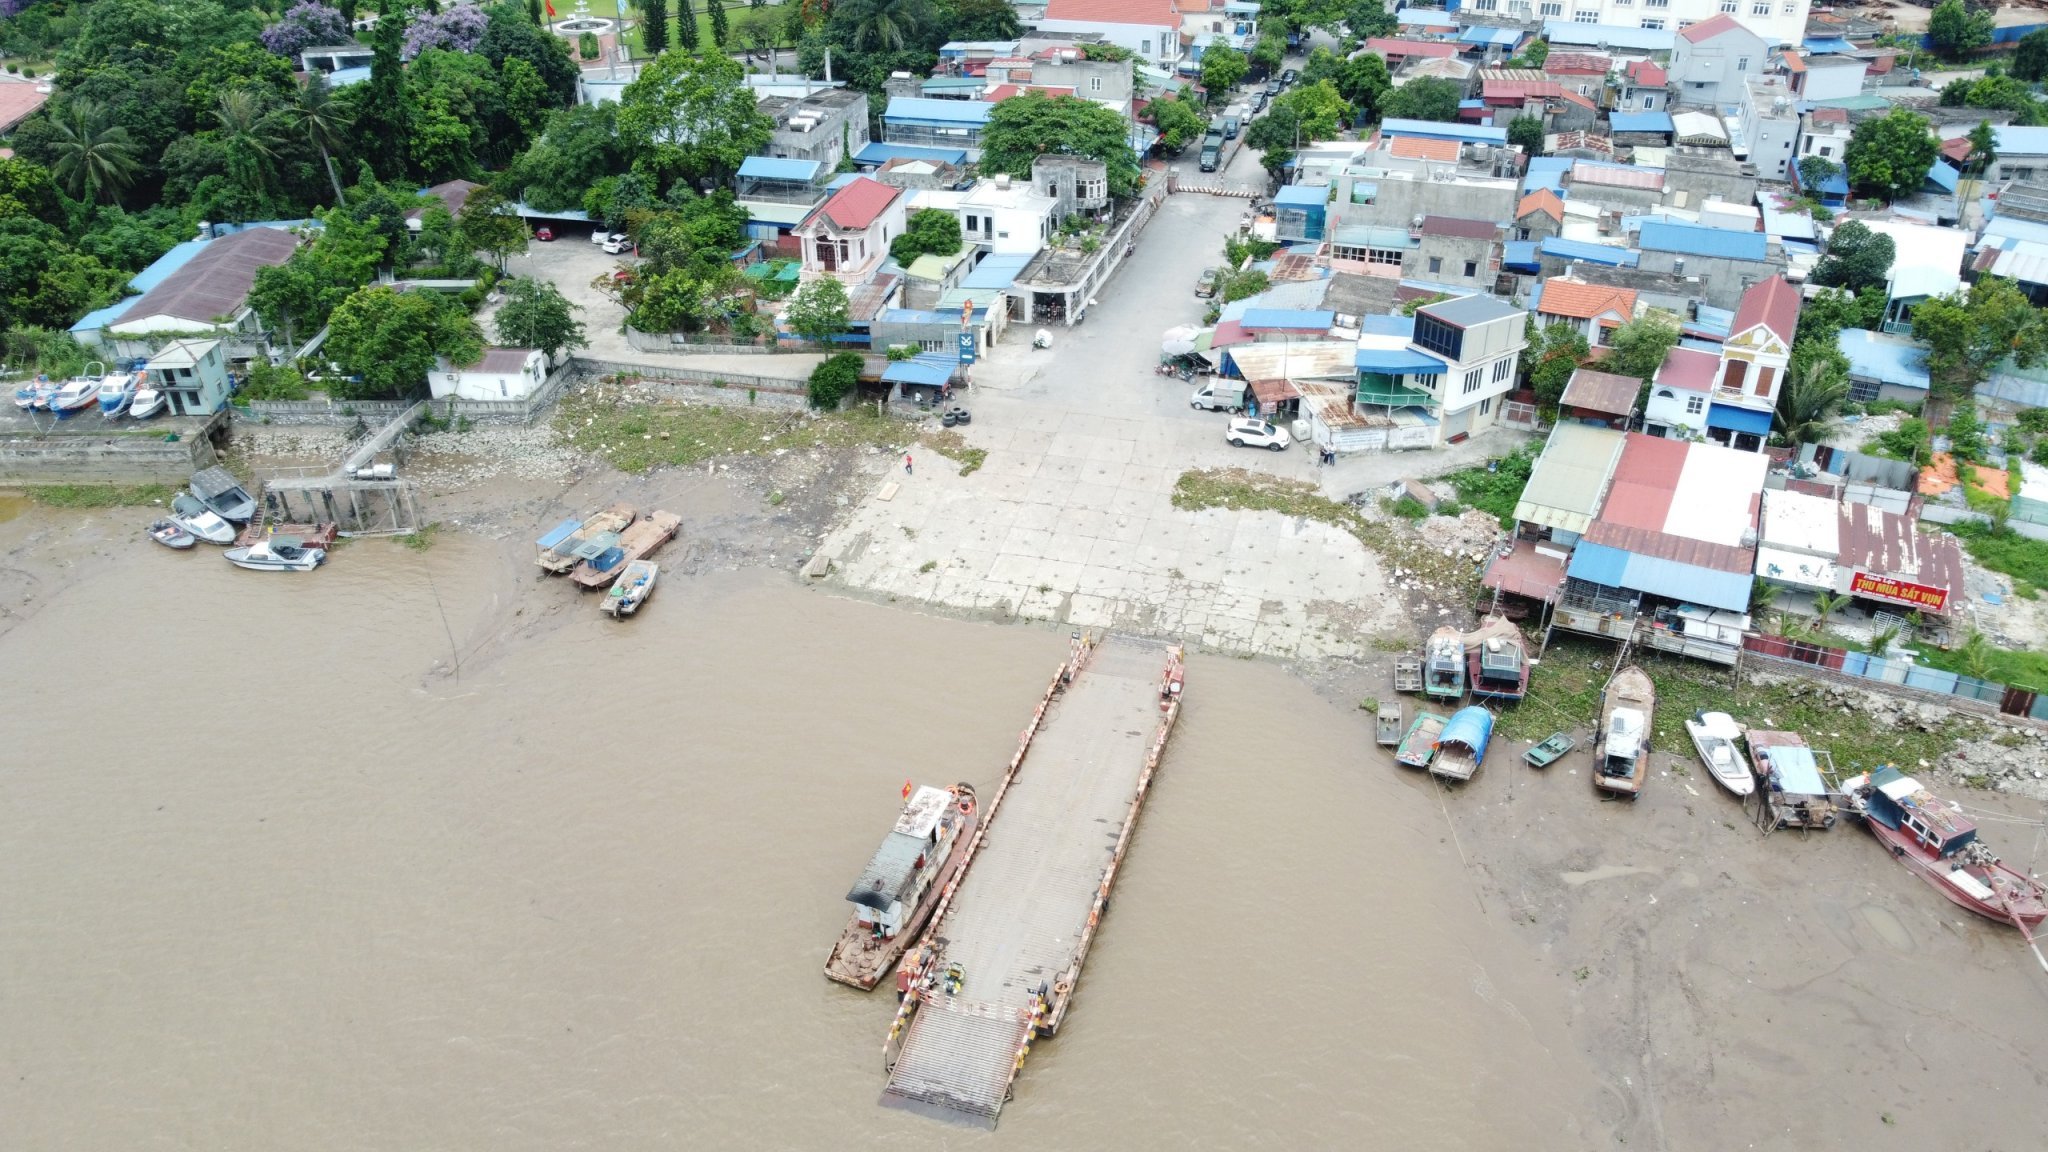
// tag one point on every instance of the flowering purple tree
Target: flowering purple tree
(458, 29)
(307, 25)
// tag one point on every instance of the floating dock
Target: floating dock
(998, 964)
(637, 542)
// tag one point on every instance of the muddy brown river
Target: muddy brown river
(419, 851)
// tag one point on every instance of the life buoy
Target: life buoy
(967, 805)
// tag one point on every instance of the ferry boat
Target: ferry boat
(916, 864)
(1938, 844)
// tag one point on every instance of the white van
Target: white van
(1218, 394)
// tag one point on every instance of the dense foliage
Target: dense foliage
(1891, 155)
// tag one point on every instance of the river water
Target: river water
(421, 852)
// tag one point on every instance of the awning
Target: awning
(1734, 419)
(1398, 362)
(928, 370)
(558, 533)
(1272, 392)
(1392, 395)
(779, 168)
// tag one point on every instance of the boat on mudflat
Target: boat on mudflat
(1418, 747)
(1461, 746)
(148, 402)
(117, 391)
(573, 541)
(77, 394)
(1713, 736)
(632, 588)
(637, 542)
(910, 873)
(1937, 843)
(218, 489)
(1621, 761)
(1443, 665)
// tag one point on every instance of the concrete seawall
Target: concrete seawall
(29, 459)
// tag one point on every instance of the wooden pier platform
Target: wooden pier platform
(1019, 921)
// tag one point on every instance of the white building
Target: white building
(998, 214)
(1777, 21)
(1149, 28)
(502, 374)
(1714, 60)
(1770, 126)
(1478, 338)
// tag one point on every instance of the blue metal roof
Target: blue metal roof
(1437, 130)
(1598, 564)
(95, 320)
(1481, 34)
(930, 369)
(1426, 18)
(1471, 727)
(1942, 176)
(920, 109)
(2014, 228)
(1828, 45)
(1892, 360)
(1611, 35)
(1386, 325)
(159, 271)
(1303, 196)
(1546, 172)
(1733, 419)
(559, 533)
(1589, 252)
(779, 168)
(879, 154)
(1301, 318)
(1640, 121)
(997, 271)
(1794, 770)
(343, 77)
(1518, 254)
(1398, 362)
(2014, 140)
(1685, 583)
(1694, 240)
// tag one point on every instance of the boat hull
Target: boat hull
(305, 562)
(1738, 781)
(1631, 688)
(858, 960)
(171, 534)
(1936, 873)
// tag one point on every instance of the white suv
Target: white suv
(1255, 434)
(616, 243)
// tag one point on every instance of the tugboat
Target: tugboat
(1936, 843)
(917, 862)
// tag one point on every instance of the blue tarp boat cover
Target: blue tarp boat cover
(1793, 770)
(1469, 727)
(557, 534)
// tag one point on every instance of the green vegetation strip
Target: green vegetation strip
(421, 540)
(637, 437)
(1237, 488)
(949, 444)
(99, 495)
(1564, 693)
(1495, 492)
(2006, 551)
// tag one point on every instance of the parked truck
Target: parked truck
(1218, 394)
(1234, 119)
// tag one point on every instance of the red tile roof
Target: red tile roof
(1150, 13)
(1394, 49)
(1772, 303)
(1648, 73)
(18, 101)
(1794, 63)
(858, 204)
(1688, 368)
(1576, 64)
(1517, 90)
(1665, 546)
(1582, 301)
(1830, 115)
(1541, 200)
(1957, 149)
(1459, 226)
(1423, 148)
(1709, 28)
(1575, 98)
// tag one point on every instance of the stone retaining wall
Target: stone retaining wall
(102, 459)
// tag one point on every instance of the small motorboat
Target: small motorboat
(1621, 762)
(171, 534)
(220, 491)
(116, 393)
(200, 521)
(1553, 746)
(1938, 843)
(276, 554)
(632, 588)
(77, 394)
(1418, 748)
(26, 396)
(148, 402)
(1713, 737)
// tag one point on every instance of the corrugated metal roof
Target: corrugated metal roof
(1295, 360)
(879, 153)
(1659, 563)
(779, 168)
(920, 108)
(1469, 310)
(1894, 360)
(1601, 392)
(1591, 253)
(1397, 362)
(1303, 195)
(1640, 121)
(1482, 34)
(1436, 130)
(1694, 240)
(1568, 480)
(930, 369)
(1289, 319)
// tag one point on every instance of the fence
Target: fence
(695, 344)
(373, 412)
(2011, 700)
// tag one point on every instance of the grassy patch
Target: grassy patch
(2023, 559)
(2000, 665)
(952, 446)
(1496, 487)
(637, 437)
(1237, 488)
(99, 495)
(1564, 692)
(421, 540)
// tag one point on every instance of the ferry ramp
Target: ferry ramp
(1019, 924)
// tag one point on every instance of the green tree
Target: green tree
(654, 26)
(1969, 334)
(721, 30)
(488, 224)
(1955, 29)
(1810, 400)
(1527, 131)
(1369, 18)
(389, 340)
(929, 231)
(536, 315)
(1303, 114)
(686, 26)
(692, 118)
(1222, 67)
(817, 312)
(757, 31)
(323, 122)
(1533, 56)
(997, 20)
(95, 160)
(1177, 120)
(1322, 65)
(1428, 98)
(1268, 51)
(1891, 155)
(2030, 61)
(1550, 357)
(1365, 83)
(27, 190)
(1858, 258)
(1983, 149)
(580, 146)
(1023, 128)
(252, 135)
(1816, 171)
(832, 381)
(1638, 347)
(885, 25)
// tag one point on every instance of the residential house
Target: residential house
(778, 193)
(911, 174)
(1679, 392)
(1591, 310)
(1713, 60)
(826, 126)
(1770, 127)
(1300, 212)
(199, 289)
(1773, 21)
(499, 374)
(1617, 186)
(1422, 168)
(1645, 87)
(192, 375)
(2022, 154)
(1825, 132)
(1151, 29)
(1477, 340)
(848, 235)
(1397, 52)
(1811, 543)
(1753, 362)
(1586, 73)
(920, 122)
(1928, 262)
(1826, 77)
(1726, 264)
(20, 101)
(1883, 366)
(1073, 183)
(1454, 253)
(1602, 398)
(452, 194)
(1539, 214)
(998, 214)
(336, 57)
(1232, 23)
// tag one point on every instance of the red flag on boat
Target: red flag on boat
(906, 789)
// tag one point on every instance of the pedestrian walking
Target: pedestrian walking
(907, 465)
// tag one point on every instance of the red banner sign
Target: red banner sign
(1899, 591)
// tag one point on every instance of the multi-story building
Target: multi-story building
(1770, 127)
(1477, 340)
(1149, 28)
(1730, 398)
(1777, 21)
(826, 126)
(1713, 60)
(848, 235)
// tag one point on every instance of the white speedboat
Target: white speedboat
(170, 534)
(201, 521)
(116, 393)
(77, 394)
(220, 491)
(276, 554)
(148, 402)
(632, 588)
(1713, 737)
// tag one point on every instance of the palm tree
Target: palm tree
(886, 25)
(1824, 606)
(323, 122)
(93, 158)
(1809, 403)
(252, 135)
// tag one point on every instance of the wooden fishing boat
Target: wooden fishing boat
(1461, 747)
(1622, 758)
(1443, 665)
(904, 881)
(564, 546)
(636, 543)
(1387, 724)
(1713, 737)
(1937, 843)
(1418, 748)
(1553, 746)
